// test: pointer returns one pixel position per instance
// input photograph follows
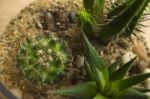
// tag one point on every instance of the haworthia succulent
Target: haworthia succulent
(129, 82)
(94, 59)
(85, 91)
(120, 73)
(100, 87)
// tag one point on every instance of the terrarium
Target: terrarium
(80, 49)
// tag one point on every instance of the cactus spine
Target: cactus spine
(42, 58)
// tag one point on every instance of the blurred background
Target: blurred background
(9, 9)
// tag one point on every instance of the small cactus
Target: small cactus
(42, 58)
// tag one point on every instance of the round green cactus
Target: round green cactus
(42, 58)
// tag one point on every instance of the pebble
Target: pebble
(79, 61)
(147, 81)
(50, 21)
(39, 25)
(128, 56)
(142, 65)
(72, 17)
(58, 23)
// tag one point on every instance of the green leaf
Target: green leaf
(125, 19)
(120, 73)
(86, 21)
(126, 83)
(99, 96)
(142, 90)
(99, 79)
(130, 94)
(114, 66)
(88, 70)
(94, 59)
(98, 8)
(88, 4)
(86, 90)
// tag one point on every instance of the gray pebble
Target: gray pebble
(79, 61)
(50, 21)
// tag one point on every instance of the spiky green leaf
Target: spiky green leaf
(99, 96)
(114, 66)
(94, 59)
(98, 8)
(120, 73)
(88, 4)
(99, 79)
(142, 90)
(126, 83)
(88, 70)
(130, 94)
(86, 90)
(125, 19)
(86, 21)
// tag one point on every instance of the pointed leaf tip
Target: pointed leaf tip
(121, 72)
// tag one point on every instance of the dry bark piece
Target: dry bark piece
(140, 50)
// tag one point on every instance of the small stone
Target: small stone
(142, 65)
(50, 21)
(72, 17)
(127, 57)
(79, 61)
(39, 25)
(147, 81)
(147, 48)
(58, 23)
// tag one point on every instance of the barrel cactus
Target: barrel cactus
(42, 58)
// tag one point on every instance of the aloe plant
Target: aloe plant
(123, 19)
(91, 15)
(105, 82)
(42, 58)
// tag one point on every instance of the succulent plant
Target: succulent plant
(123, 18)
(90, 16)
(86, 21)
(42, 58)
(105, 82)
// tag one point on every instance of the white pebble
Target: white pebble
(127, 57)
